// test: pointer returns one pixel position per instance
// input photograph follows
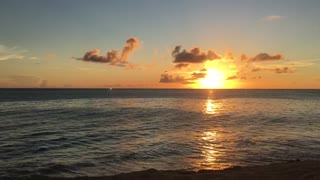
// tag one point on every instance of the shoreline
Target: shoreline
(291, 170)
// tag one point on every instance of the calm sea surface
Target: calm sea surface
(97, 132)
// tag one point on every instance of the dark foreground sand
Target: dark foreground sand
(309, 170)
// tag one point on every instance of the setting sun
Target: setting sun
(214, 79)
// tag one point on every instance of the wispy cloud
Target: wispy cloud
(273, 18)
(16, 53)
(278, 69)
(7, 53)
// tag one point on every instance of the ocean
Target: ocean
(99, 132)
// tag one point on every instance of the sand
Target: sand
(309, 170)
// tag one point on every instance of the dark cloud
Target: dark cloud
(112, 57)
(232, 77)
(236, 77)
(266, 57)
(256, 69)
(167, 78)
(203, 69)
(243, 78)
(196, 75)
(257, 77)
(243, 57)
(131, 45)
(195, 55)
(283, 70)
(278, 70)
(181, 65)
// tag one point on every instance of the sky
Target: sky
(160, 44)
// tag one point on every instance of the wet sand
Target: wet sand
(309, 170)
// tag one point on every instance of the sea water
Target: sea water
(99, 132)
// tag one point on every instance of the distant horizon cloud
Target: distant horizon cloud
(278, 70)
(272, 18)
(261, 57)
(167, 78)
(113, 57)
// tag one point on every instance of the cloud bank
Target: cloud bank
(240, 67)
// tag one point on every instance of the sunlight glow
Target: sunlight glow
(214, 79)
(216, 75)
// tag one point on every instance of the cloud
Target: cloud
(244, 57)
(181, 65)
(195, 55)
(272, 18)
(113, 57)
(7, 53)
(232, 77)
(167, 78)
(237, 67)
(10, 56)
(195, 75)
(278, 70)
(33, 58)
(266, 57)
(283, 70)
(131, 45)
(229, 55)
(236, 77)
(256, 69)
(15, 53)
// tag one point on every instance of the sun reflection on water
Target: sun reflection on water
(210, 107)
(209, 151)
(210, 139)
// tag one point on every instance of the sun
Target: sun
(214, 79)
